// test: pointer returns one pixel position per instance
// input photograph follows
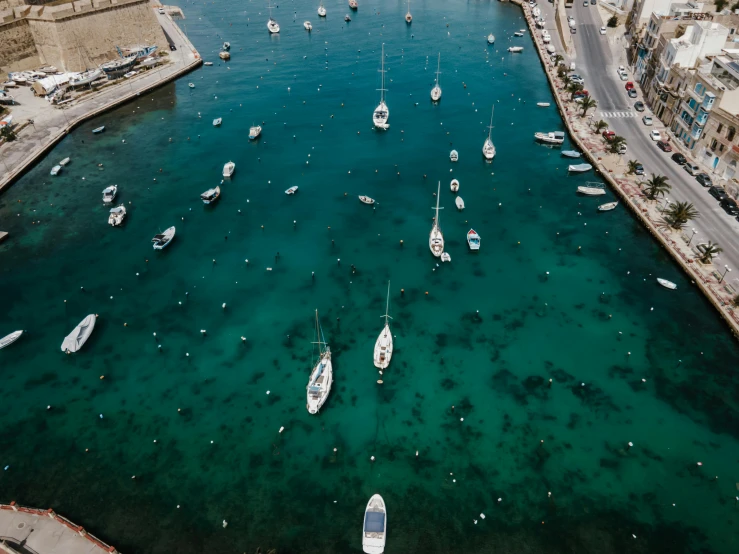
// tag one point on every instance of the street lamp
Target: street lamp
(691, 236)
(725, 272)
(667, 201)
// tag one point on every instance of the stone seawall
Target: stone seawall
(17, 47)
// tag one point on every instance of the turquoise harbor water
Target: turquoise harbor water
(628, 360)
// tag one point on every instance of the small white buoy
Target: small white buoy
(223, 306)
(225, 523)
(282, 429)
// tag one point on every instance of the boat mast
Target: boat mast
(490, 127)
(382, 90)
(438, 65)
(436, 219)
(387, 306)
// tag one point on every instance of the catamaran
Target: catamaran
(436, 91)
(381, 113)
(384, 343)
(272, 24)
(322, 376)
(436, 238)
(488, 149)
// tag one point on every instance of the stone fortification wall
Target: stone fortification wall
(17, 47)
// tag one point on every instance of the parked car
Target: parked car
(678, 158)
(664, 146)
(647, 120)
(622, 148)
(581, 93)
(161, 11)
(629, 85)
(586, 3)
(655, 135)
(172, 47)
(577, 79)
(718, 193)
(632, 93)
(729, 206)
(639, 170)
(622, 74)
(639, 106)
(704, 180)
(608, 135)
(691, 168)
(602, 30)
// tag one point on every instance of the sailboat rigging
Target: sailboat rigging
(488, 149)
(384, 343)
(321, 378)
(436, 91)
(436, 238)
(381, 113)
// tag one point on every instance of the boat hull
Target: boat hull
(316, 402)
(374, 529)
(383, 348)
(7, 340)
(436, 242)
(75, 340)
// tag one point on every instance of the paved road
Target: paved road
(595, 62)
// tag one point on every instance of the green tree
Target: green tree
(566, 80)
(7, 134)
(720, 5)
(613, 22)
(557, 58)
(574, 88)
(616, 143)
(600, 126)
(632, 166)
(656, 186)
(710, 251)
(736, 298)
(679, 213)
(587, 103)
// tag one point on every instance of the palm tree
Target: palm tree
(616, 143)
(679, 213)
(566, 80)
(574, 88)
(656, 186)
(587, 103)
(600, 125)
(632, 166)
(710, 251)
(556, 59)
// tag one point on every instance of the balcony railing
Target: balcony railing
(702, 118)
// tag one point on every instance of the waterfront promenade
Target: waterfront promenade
(709, 278)
(24, 530)
(40, 131)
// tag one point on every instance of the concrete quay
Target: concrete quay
(24, 530)
(41, 129)
(707, 277)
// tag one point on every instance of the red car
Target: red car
(665, 147)
(608, 135)
(629, 85)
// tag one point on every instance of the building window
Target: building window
(698, 89)
(714, 142)
(671, 78)
(731, 133)
(720, 147)
(719, 128)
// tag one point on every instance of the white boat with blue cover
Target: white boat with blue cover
(322, 376)
(571, 154)
(374, 529)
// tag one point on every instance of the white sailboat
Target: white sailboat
(454, 185)
(7, 340)
(307, 26)
(272, 24)
(491, 38)
(374, 529)
(321, 10)
(488, 149)
(436, 91)
(381, 113)
(78, 337)
(384, 343)
(408, 16)
(322, 376)
(436, 238)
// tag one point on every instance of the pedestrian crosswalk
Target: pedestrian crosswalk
(618, 114)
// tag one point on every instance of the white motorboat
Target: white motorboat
(225, 56)
(454, 155)
(322, 376)
(321, 10)
(98, 130)
(162, 240)
(64, 162)
(7, 340)
(85, 78)
(347, 18)
(488, 148)
(109, 193)
(381, 113)
(366, 200)
(191, 85)
(515, 49)
(491, 38)
(78, 337)
(374, 529)
(579, 168)
(554, 137)
(117, 215)
(208, 63)
(543, 104)
(454, 185)
(518, 34)
(445, 257)
(255, 131)
(436, 238)
(459, 202)
(607, 207)
(217, 122)
(291, 190)
(228, 169)
(353, 4)
(667, 284)
(226, 46)
(384, 343)
(408, 16)
(592, 189)
(473, 240)
(307, 26)
(571, 154)
(211, 195)
(436, 91)
(272, 24)
(55, 170)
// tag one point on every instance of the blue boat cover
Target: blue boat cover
(374, 522)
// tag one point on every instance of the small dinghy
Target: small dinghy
(552, 137)
(491, 38)
(307, 26)
(226, 46)
(592, 189)
(454, 185)
(98, 129)
(225, 56)
(217, 122)
(254, 132)
(77, 338)
(518, 34)
(473, 240)
(579, 168)
(7, 340)
(515, 49)
(162, 240)
(543, 104)
(445, 257)
(366, 200)
(454, 155)
(228, 169)
(64, 162)
(571, 154)
(191, 85)
(459, 202)
(109, 194)
(208, 63)
(211, 195)
(117, 215)
(667, 284)
(347, 18)
(607, 207)
(291, 190)
(55, 170)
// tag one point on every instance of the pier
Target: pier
(30, 530)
